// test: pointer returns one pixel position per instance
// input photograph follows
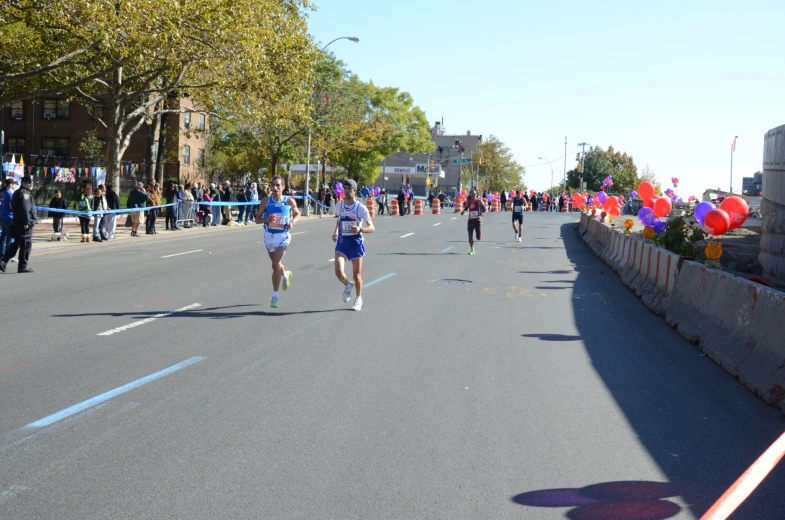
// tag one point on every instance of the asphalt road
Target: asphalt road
(541, 389)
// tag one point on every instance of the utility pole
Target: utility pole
(583, 158)
(564, 181)
(732, 150)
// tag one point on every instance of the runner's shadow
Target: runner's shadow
(196, 313)
(548, 288)
(545, 272)
(416, 254)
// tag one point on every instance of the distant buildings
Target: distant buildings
(752, 186)
(445, 172)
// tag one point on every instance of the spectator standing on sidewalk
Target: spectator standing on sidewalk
(112, 203)
(241, 207)
(153, 200)
(99, 204)
(216, 210)
(205, 212)
(137, 199)
(251, 195)
(6, 216)
(25, 217)
(226, 196)
(57, 202)
(401, 202)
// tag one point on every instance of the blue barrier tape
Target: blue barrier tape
(99, 213)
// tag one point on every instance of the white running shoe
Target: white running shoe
(358, 304)
(347, 292)
(516, 236)
(519, 239)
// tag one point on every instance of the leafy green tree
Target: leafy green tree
(599, 164)
(500, 171)
(142, 56)
(376, 122)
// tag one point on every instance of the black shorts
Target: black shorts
(518, 218)
(475, 226)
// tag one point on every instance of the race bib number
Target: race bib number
(517, 209)
(346, 228)
(277, 221)
(474, 214)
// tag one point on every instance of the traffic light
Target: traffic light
(578, 156)
(580, 167)
(433, 166)
(481, 161)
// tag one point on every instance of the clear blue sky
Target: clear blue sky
(671, 83)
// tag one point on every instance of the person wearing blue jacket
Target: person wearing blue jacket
(6, 215)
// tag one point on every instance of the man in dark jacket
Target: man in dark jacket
(401, 202)
(226, 196)
(112, 203)
(23, 207)
(136, 199)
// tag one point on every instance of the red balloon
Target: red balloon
(716, 222)
(646, 190)
(662, 207)
(649, 203)
(737, 209)
(611, 202)
(615, 211)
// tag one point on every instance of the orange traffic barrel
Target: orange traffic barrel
(418, 206)
(436, 207)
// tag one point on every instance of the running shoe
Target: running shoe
(471, 252)
(519, 239)
(347, 292)
(358, 304)
(287, 281)
(274, 302)
(516, 236)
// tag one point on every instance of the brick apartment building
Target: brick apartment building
(48, 132)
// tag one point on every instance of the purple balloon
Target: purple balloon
(701, 210)
(601, 197)
(659, 226)
(646, 216)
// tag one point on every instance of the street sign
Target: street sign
(459, 161)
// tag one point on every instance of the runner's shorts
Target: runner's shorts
(351, 251)
(474, 226)
(518, 218)
(273, 241)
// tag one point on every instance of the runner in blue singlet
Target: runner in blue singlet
(278, 213)
(353, 221)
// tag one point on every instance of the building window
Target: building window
(202, 122)
(56, 109)
(187, 119)
(54, 147)
(186, 155)
(17, 110)
(200, 157)
(16, 145)
(97, 111)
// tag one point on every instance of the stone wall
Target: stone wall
(772, 242)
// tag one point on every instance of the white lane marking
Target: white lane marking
(437, 224)
(453, 218)
(186, 253)
(331, 260)
(148, 320)
(298, 233)
(445, 250)
(11, 492)
(407, 235)
(84, 405)
(383, 278)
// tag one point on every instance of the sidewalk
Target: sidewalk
(43, 232)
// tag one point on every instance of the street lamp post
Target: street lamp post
(308, 159)
(732, 150)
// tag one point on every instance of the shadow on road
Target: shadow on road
(631, 500)
(552, 337)
(210, 313)
(697, 424)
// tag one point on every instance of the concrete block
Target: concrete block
(737, 323)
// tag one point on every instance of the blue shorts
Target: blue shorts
(351, 251)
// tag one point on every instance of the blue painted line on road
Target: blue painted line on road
(46, 421)
(383, 278)
(445, 250)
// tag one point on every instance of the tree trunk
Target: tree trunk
(150, 160)
(163, 142)
(114, 155)
(274, 165)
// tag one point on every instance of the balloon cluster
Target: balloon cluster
(732, 213)
(654, 207)
(377, 190)
(670, 194)
(692, 198)
(607, 182)
(675, 181)
(633, 195)
(339, 191)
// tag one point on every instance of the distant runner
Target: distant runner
(518, 204)
(278, 213)
(353, 221)
(476, 207)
